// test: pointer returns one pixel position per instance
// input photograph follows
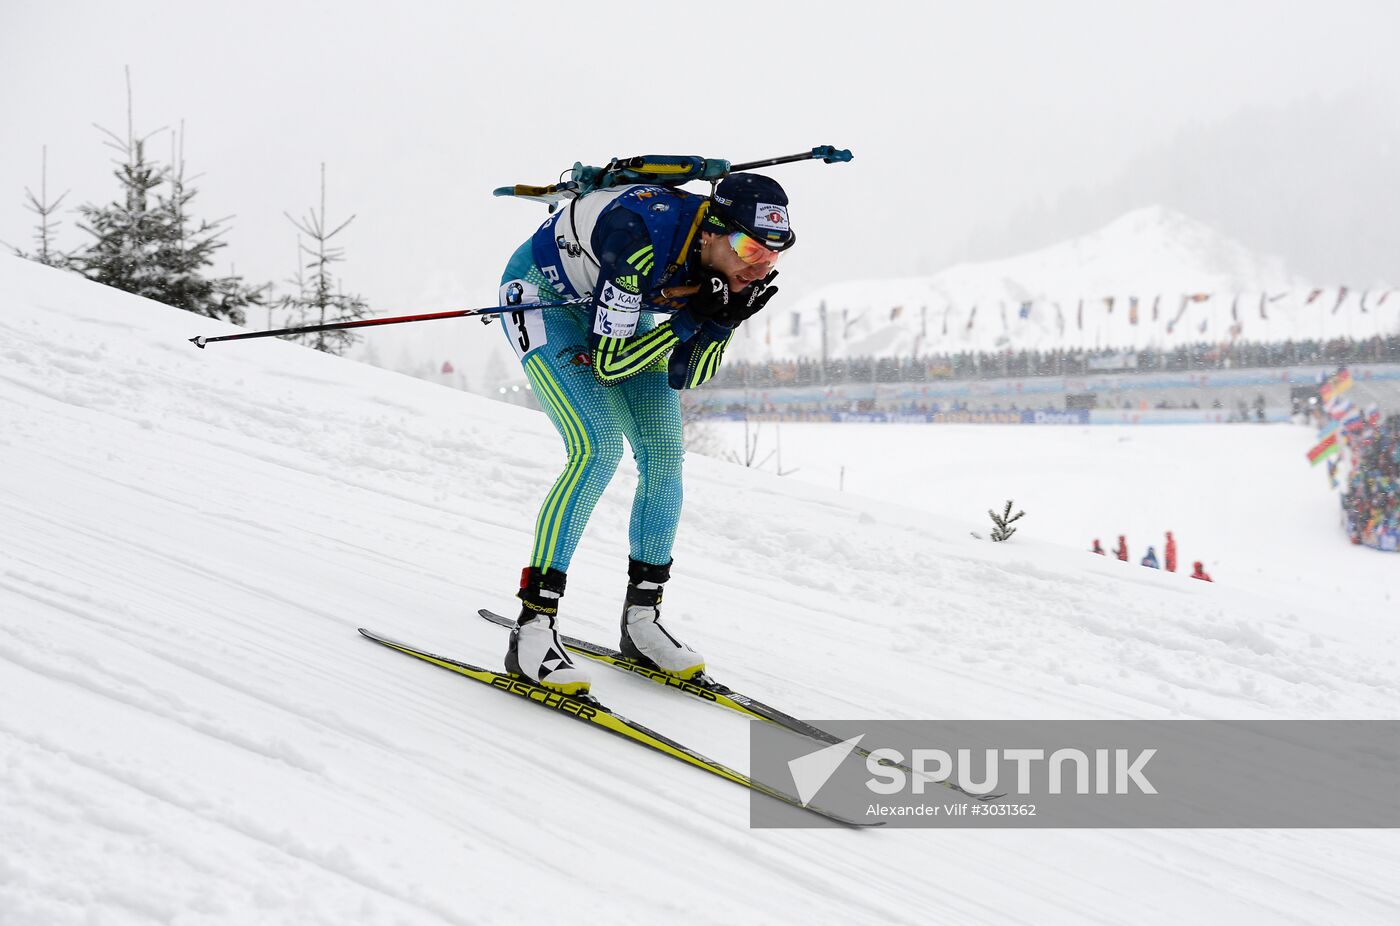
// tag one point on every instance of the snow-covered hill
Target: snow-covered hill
(1242, 498)
(1154, 255)
(192, 732)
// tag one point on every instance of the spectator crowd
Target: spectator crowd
(1371, 501)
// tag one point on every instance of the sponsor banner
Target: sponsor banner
(1123, 360)
(1069, 416)
(976, 418)
(1179, 416)
(1113, 774)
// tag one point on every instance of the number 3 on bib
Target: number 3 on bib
(526, 327)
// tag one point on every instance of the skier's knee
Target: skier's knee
(599, 457)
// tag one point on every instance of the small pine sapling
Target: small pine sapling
(1003, 529)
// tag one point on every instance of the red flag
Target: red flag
(447, 367)
(1312, 296)
(1324, 449)
(1341, 297)
(971, 318)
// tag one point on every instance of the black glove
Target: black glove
(715, 302)
(711, 300)
(752, 298)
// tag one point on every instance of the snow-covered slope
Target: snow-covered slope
(192, 732)
(1241, 498)
(1152, 254)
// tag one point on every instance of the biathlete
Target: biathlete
(605, 371)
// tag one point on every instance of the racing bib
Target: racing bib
(524, 327)
(617, 313)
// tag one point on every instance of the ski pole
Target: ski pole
(370, 322)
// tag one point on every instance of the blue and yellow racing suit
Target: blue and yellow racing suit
(606, 370)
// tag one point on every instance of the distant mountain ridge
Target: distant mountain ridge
(1076, 294)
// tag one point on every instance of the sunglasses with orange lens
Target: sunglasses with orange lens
(751, 250)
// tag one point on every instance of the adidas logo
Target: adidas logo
(628, 283)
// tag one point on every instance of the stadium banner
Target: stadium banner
(1051, 388)
(1074, 416)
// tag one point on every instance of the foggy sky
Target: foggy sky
(978, 128)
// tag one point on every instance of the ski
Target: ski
(594, 712)
(707, 689)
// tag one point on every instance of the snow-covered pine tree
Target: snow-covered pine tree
(186, 252)
(320, 300)
(144, 241)
(47, 254)
(128, 231)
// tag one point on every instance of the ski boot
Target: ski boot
(535, 653)
(644, 639)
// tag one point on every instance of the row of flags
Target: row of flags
(1137, 308)
(1343, 419)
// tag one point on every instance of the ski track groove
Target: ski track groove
(246, 829)
(332, 723)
